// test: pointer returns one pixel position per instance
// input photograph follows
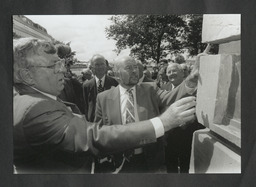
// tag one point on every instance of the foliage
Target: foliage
(150, 37)
(156, 37)
(64, 51)
(193, 35)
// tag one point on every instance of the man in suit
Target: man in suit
(48, 137)
(97, 84)
(179, 139)
(147, 101)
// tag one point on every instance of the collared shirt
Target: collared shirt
(102, 80)
(46, 94)
(157, 123)
(123, 100)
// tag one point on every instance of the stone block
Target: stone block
(221, 28)
(230, 47)
(219, 95)
(211, 154)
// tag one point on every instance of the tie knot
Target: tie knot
(100, 87)
(129, 90)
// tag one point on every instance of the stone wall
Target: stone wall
(217, 149)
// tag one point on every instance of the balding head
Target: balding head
(126, 71)
(98, 65)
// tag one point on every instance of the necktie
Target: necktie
(130, 117)
(100, 87)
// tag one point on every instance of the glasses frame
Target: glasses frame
(54, 66)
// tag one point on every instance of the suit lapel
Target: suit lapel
(94, 87)
(141, 104)
(114, 105)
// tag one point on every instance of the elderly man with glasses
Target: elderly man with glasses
(49, 137)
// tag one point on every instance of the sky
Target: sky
(86, 33)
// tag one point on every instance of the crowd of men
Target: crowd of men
(124, 119)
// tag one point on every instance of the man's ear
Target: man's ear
(26, 76)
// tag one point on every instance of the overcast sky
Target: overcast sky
(86, 33)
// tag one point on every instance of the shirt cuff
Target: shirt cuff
(158, 126)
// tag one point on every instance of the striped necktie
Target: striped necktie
(100, 87)
(130, 116)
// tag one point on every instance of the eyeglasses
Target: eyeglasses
(58, 66)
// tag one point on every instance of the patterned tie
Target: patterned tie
(100, 87)
(130, 117)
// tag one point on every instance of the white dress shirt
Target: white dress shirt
(98, 81)
(157, 123)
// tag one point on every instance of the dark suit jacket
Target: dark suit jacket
(90, 95)
(146, 79)
(73, 93)
(49, 138)
(151, 101)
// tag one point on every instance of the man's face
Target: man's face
(99, 67)
(128, 72)
(49, 80)
(175, 75)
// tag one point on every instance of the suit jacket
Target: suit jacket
(49, 138)
(146, 79)
(73, 93)
(90, 95)
(151, 101)
(167, 86)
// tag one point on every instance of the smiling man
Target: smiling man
(175, 75)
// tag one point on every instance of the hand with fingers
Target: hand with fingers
(192, 79)
(179, 113)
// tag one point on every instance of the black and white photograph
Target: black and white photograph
(127, 94)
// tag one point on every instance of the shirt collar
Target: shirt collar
(102, 79)
(46, 94)
(123, 90)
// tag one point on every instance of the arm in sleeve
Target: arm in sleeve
(166, 98)
(47, 128)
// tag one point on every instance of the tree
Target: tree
(64, 52)
(148, 36)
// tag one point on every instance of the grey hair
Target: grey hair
(23, 51)
(174, 64)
